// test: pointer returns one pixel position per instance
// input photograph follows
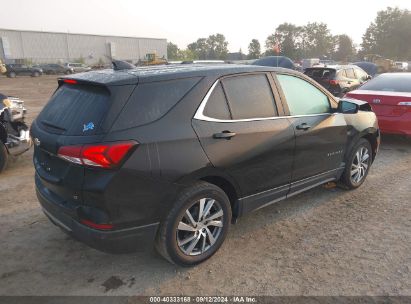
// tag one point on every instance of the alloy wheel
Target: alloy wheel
(360, 165)
(200, 227)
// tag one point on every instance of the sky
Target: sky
(183, 22)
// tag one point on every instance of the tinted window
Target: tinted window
(350, 73)
(302, 97)
(217, 105)
(361, 74)
(389, 82)
(249, 96)
(320, 73)
(71, 108)
(150, 101)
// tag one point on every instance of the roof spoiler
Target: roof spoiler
(119, 65)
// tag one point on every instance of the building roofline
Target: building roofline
(82, 34)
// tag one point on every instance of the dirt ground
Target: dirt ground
(323, 242)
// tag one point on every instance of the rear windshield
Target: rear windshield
(150, 101)
(75, 110)
(390, 83)
(320, 73)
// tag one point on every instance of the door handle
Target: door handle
(224, 135)
(303, 126)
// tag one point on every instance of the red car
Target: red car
(389, 95)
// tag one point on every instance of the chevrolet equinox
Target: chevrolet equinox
(173, 155)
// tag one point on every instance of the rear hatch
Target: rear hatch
(78, 113)
(322, 75)
(385, 103)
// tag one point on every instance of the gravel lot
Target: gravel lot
(323, 242)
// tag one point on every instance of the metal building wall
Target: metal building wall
(42, 47)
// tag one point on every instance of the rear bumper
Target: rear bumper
(117, 241)
(395, 124)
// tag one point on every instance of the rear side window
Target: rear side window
(350, 73)
(217, 106)
(361, 74)
(341, 74)
(150, 101)
(250, 96)
(302, 97)
(75, 110)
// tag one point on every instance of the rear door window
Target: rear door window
(250, 96)
(217, 106)
(150, 101)
(75, 110)
(302, 97)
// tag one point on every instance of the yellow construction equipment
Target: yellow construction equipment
(3, 69)
(151, 59)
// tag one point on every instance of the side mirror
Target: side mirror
(347, 107)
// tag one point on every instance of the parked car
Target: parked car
(401, 66)
(389, 95)
(174, 154)
(369, 67)
(275, 61)
(14, 133)
(54, 69)
(14, 70)
(77, 67)
(338, 79)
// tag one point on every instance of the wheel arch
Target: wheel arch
(220, 179)
(372, 135)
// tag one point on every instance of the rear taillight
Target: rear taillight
(333, 82)
(70, 81)
(405, 103)
(104, 155)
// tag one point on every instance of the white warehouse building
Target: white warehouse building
(17, 46)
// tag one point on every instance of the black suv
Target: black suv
(338, 79)
(14, 70)
(177, 153)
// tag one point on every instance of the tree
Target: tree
(389, 35)
(254, 49)
(213, 47)
(288, 36)
(345, 50)
(272, 45)
(217, 47)
(199, 48)
(172, 51)
(316, 40)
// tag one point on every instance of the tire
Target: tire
(202, 238)
(3, 157)
(36, 74)
(356, 172)
(11, 75)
